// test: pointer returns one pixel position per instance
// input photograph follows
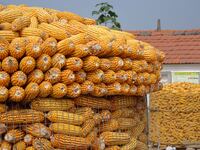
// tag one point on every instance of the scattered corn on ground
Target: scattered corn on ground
(52, 62)
(175, 114)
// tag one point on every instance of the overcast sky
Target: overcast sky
(133, 14)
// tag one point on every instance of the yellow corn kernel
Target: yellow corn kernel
(65, 117)
(41, 143)
(86, 112)
(19, 146)
(131, 145)
(87, 127)
(49, 104)
(111, 125)
(30, 148)
(13, 136)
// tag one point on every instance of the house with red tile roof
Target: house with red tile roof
(182, 50)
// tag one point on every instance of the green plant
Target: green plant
(106, 16)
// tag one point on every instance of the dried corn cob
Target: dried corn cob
(44, 62)
(125, 88)
(122, 102)
(89, 21)
(127, 64)
(96, 76)
(43, 144)
(131, 145)
(61, 128)
(3, 108)
(34, 22)
(53, 31)
(115, 138)
(10, 64)
(49, 104)
(34, 32)
(36, 76)
(141, 146)
(59, 90)
(123, 113)
(143, 138)
(21, 116)
(27, 64)
(38, 130)
(23, 21)
(5, 145)
(4, 78)
(91, 63)
(99, 90)
(111, 125)
(69, 142)
(105, 115)
(80, 51)
(32, 90)
(105, 64)
(114, 88)
(87, 87)
(3, 128)
(73, 90)
(137, 130)
(8, 35)
(16, 94)
(58, 60)
(28, 139)
(34, 50)
(53, 75)
(117, 48)
(126, 123)
(80, 76)
(121, 76)
(132, 76)
(49, 46)
(33, 39)
(66, 47)
(19, 146)
(113, 148)
(69, 16)
(96, 48)
(98, 103)
(133, 90)
(30, 148)
(116, 63)
(141, 90)
(67, 77)
(45, 89)
(74, 63)
(87, 127)
(86, 112)
(43, 16)
(5, 26)
(18, 78)
(92, 136)
(65, 117)
(14, 136)
(9, 15)
(61, 24)
(109, 77)
(17, 48)
(4, 48)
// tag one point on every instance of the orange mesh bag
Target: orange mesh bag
(109, 77)
(44, 62)
(74, 63)
(36, 76)
(49, 46)
(4, 79)
(58, 61)
(80, 76)
(73, 90)
(16, 94)
(10, 64)
(53, 75)
(67, 77)
(27, 64)
(96, 76)
(45, 89)
(18, 78)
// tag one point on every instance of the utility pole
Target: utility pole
(158, 25)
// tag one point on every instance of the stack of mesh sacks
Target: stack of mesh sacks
(175, 114)
(51, 60)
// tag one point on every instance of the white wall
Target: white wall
(182, 67)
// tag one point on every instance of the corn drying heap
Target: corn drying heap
(54, 64)
(175, 114)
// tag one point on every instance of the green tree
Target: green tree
(106, 16)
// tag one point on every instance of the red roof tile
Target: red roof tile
(180, 46)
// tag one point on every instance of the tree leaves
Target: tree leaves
(106, 15)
